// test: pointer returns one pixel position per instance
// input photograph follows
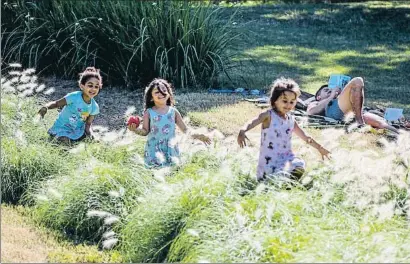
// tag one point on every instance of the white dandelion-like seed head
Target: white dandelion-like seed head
(109, 243)
(15, 65)
(160, 156)
(114, 194)
(108, 234)
(49, 91)
(40, 88)
(130, 110)
(29, 71)
(111, 220)
(193, 232)
(98, 213)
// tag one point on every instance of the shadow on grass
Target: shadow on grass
(307, 42)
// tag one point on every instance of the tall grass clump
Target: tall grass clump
(91, 200)
(130, 41)
(27, 157)
(204, 180)
(339, 213)
(25, 166)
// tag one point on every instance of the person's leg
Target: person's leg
(297, 173)
(352, 98)
(377, 122)
(64, 140)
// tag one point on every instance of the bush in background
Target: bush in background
(132, 42)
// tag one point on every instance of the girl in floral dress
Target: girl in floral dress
(277, 127)
(159, 123)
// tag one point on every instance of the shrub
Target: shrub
(130, 41)
(26, 156)
(23, 166)
(91, 199)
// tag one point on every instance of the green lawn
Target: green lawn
(308, 42)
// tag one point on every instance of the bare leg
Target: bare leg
(351, 99)
(297, 173)
(64, 140)
(378, 122)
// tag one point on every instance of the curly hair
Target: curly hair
(88, 73)
(157, 82)
(280, 86)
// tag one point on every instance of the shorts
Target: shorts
(333, 110)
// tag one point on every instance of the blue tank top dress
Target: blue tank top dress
(161, 148)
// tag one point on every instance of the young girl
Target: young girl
(159, 120)
(74, 121)
(277, 126)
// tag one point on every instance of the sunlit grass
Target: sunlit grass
(308, 42)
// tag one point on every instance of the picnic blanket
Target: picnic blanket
(317, 121)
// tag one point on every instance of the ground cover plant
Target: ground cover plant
(210, 208)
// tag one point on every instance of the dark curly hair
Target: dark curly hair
(157, 82)
(88, 73)
(281, 85)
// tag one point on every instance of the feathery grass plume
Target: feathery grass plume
(109, 243)
(25, 157)
(111, 220)
(108, 234)
(97, 213)
(15, 73)
(15, 65)
(151, 226)
(86, 207)
(49, 91)
(25, 79)
(130, 110)
(114, 194)
(168, 205)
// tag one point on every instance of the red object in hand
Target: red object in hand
(133, 120)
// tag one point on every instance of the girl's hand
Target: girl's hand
(133, 127)
(241, 139)
(139, 131)
(324, 152)
(42, 111)
(204, 139)
(90, 136)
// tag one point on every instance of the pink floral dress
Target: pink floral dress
(276, 149)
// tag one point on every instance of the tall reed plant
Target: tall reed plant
(130, 41)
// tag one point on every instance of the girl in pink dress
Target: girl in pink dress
(277, 127)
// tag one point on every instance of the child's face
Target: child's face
(286, 102)
(91, 87)
(158, 97)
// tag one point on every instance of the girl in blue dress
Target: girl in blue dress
(79, 108)
(159, 122)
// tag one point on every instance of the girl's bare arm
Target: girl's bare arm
(302, 134)
(51, 105)
(182, 126)
(261, 118)
(88, 123)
